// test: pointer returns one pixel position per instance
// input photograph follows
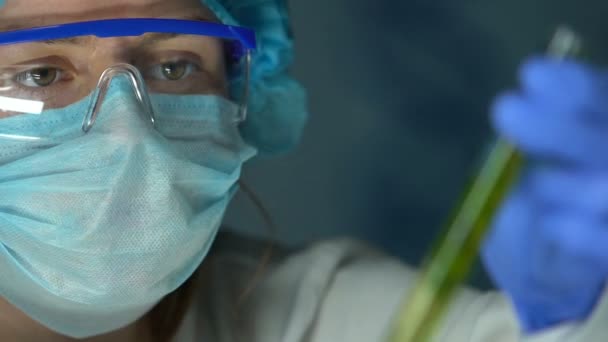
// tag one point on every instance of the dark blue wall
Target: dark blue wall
(399, 95)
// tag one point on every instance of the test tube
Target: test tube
(456, 250)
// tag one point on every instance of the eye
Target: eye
(173, 71)
(39, 77)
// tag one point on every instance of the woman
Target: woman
(121, 144)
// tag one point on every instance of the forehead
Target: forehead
(31, 13)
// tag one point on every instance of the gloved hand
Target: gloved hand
(548, 249)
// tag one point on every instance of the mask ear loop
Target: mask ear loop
(139, 87)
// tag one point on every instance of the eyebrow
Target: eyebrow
(69, 41)
(155, 38)
(148, 39)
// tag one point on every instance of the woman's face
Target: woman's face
(70, 68)
(88, 57)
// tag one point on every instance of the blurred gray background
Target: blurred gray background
(399, 95)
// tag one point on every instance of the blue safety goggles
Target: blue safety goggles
(55, 66)
(242, 39)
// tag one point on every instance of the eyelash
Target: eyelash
(155, 72)
(27, 76)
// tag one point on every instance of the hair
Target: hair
(166, 317)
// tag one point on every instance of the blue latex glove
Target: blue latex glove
(548, 249)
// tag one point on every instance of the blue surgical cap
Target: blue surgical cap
(277, 103)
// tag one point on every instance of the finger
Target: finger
(580, 236)
(567, 84)
(580, 190)
(547, 133)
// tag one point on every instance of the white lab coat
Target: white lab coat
(341, 290)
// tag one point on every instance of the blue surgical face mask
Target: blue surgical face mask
(96, 228)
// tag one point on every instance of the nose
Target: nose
(126, 80)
